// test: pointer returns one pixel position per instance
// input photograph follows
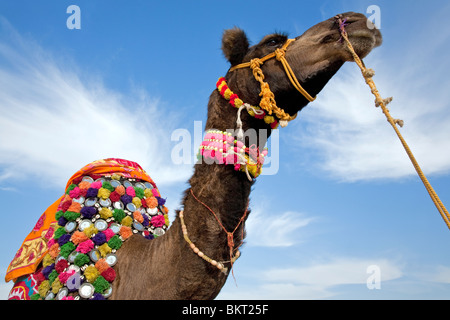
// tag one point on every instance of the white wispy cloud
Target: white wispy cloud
(55, 119)
(350, 139)
(273, 229)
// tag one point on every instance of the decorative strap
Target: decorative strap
(236, 102)
(222, 148)
(268, 99)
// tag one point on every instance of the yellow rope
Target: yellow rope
(368, 74)
(268, 102)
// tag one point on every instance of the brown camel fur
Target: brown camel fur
(167, 268)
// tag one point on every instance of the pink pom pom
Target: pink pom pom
(131, 192)
(109, 234)
(85, 246)
(63, 277)
(96, 184)
(156, 192)
(158, 221)
(75, 193)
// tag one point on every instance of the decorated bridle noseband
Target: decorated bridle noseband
(268, 99)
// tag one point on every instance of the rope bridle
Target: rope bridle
(268, 98)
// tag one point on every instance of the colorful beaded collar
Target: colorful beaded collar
(93, 220)
(234, 100)
(221, 148)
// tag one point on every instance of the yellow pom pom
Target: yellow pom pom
(137, 202)
(238, 102)
(56, 285)
(43, 288)
(166, 219)
(105, 213)
(269, 119)
(89, 231)
(253, 170)
(48, 260)
(103, 193)
(104, 250)
(127, 221)
(227, 94)
(148, 193)
(91, 273)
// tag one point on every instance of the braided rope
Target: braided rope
(268, 102)
(380, 102)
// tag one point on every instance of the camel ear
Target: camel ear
(234, 45)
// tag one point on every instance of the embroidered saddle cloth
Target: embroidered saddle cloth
(70, 253)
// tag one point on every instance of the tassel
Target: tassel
(283, 123)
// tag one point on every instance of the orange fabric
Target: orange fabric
(34, 247)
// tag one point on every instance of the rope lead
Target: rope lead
(380, 102)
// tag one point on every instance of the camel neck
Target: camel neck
(218, 196)
(221, 189)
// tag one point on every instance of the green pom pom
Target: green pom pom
(67, 249)
(70, 188)
(35, 296)
(139, 192)
(52, 276)
(100, 284)
(115, 242)
(59, 214)
(108, 186)
(119, 214)
(81, 259)
(71, 216)
(59, 232)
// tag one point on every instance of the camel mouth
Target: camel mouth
(364, 40)
(365, 35)
(362, 33)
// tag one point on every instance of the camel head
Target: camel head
(314, 57)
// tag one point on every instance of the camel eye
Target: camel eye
(272, 43)
(327, 38)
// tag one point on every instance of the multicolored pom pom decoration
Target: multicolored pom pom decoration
(94, 218)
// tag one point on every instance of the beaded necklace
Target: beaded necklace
(221, 148)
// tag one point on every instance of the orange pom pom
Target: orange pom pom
(138, 216)
(120, 190)
(152, 202)
(78, 237)
(54, 251)
(75, 207)
(125, 232)
(101, 265)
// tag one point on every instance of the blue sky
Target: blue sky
(345, 196)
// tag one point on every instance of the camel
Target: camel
(194, 258)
